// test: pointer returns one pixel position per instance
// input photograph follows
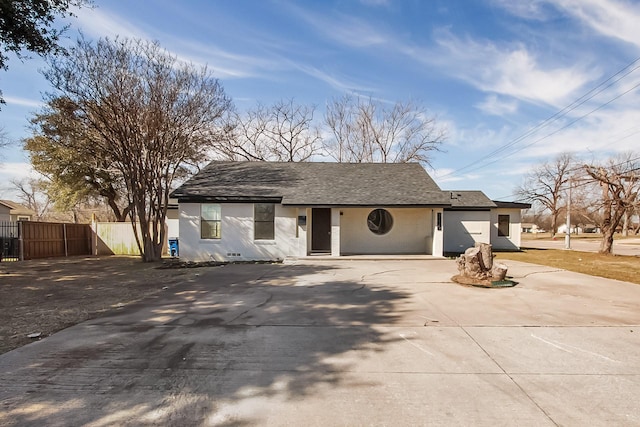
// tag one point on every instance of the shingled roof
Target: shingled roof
(314, 184)
(464, 200)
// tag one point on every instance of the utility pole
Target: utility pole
(567, 237)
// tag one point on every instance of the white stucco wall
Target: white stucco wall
(463, 229)
(173, 227)
(237, 242)
(512, 242)
(411, 232)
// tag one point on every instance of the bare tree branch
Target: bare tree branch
(366, 131)
(546, 185)
(619, 181)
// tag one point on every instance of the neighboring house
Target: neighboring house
(269, 211)
(12, 211)
(528, 227)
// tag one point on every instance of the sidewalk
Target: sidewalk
(629, 247)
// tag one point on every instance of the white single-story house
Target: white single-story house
(473, 218)
(271, 210)
(12, 211)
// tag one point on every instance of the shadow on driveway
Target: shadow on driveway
(236, 334)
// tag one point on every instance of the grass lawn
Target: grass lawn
(626, 268)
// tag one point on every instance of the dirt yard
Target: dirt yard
(45, 296)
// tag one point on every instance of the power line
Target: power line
(557, 130)
(623, 73)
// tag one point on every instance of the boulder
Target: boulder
(476, 265)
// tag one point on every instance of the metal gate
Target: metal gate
(9, 241)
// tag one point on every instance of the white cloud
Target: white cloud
(612, 18)
(528, 9)
(99, 23)
(444, 175)
(338, 83)
(376, 2)
(13, 172)
(224, 63)
(497, 107)
(23, 102)
(601, 134)
(507, 70)
(344, 29)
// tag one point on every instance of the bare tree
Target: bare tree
(364, 130)
(546, 185)
(585, 201)
(149, 113)
(619, 181)
(281, 132)
(32, 194)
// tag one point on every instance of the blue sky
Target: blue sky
(491, 71)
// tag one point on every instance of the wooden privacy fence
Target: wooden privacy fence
(32, 240)
(47, 240)
(118, 238)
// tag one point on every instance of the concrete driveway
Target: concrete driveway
(360, 342)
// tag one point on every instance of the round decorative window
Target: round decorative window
(380, 221)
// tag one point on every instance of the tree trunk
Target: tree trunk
(606, 245)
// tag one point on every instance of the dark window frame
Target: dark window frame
(264, 221)
(502, 224)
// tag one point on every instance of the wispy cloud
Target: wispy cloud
(376, 3)
(508, 70)
(23, 102)
(612, 18)
(527, 9)
(496, 106)
(225, 64)
(346, 30)
(97, 22)
(341, 84)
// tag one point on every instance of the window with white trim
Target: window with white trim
(210, 221)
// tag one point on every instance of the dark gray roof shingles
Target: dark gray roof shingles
(470, 200)
(315, 184)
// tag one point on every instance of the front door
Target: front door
(321, 230)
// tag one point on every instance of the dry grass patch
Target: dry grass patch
(44, 296)
(625, 268)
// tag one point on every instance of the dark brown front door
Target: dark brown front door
(321, 230)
